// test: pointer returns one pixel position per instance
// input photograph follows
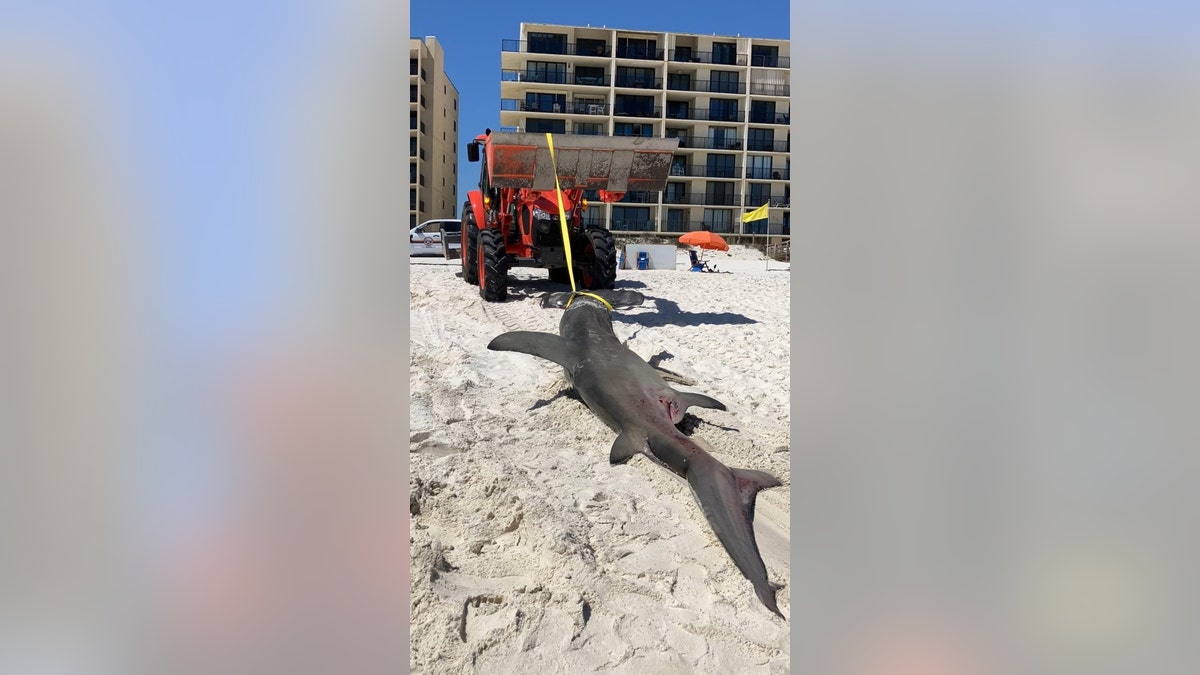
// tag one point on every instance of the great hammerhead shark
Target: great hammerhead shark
(631, 397)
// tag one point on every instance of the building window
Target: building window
(724, 53)
(455, 123)
(423, 78)
(627, 129)
(723, 110)
(422, 185)
(412, 67)
(759, 167)
(761, 140)
(682, 53)
(412, 93)
(724, 82)
(635, 106)
(412, 119)
(456, 104)
(637, 48)
(677, 110)
(675, 221)
(719, 193)
(720, 166)
(718, 220)
(758, 194)
(547, 43)
(412, 146)
(631, 218)
(540, 126)
(636, 77)
(412, 198)
(762, 112)
(676, 193)
(723, 138)
(412, 220)
(764, 56)
(679, 81)
(591, 47)
(545, 71)
(591, 76)
(588, 129)
(412, 172)
(535, 102)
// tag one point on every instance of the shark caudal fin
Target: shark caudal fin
(542, 345)
(727, 497)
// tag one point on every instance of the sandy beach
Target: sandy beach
(530, 553)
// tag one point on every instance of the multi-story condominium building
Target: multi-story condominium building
(433, 134)
(725, 98)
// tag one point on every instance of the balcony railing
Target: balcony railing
(774, 202)
(640, 53)
(708, 143)
(719, 228)
(544, 47)
(756, 173)
(770, 89)
(639, 198)
(759, 227)
(707, 171)
(568, 108)
(554, 78)
(770, 118)
(593, 219)
(756, 145)
(675, 84)
(721, 59)
(765, 61)
(649, 113)
(635, 82)
(635, 225)
(703, 199)
(705, 115)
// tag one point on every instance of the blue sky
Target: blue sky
(471, 34)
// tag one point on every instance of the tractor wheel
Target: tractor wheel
(493, 266)
(598, 264)
(560, 275)
(469, 254)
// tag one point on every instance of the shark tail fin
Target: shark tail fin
(727, 498)
(542, 345)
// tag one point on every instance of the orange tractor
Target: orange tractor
(512, 220)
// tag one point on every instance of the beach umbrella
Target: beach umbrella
(704, 239)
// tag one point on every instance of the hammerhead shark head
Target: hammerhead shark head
(631, 397)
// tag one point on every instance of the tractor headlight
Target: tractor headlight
(539, 214)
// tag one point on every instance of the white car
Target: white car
(426, 238)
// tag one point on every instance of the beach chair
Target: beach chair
(698, 265)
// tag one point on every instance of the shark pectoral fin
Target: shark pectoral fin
(542, 345)
(688, 399)
(628, 444)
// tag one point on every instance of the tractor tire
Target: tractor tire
(469, 254)
(598, 262)
(560, 275)
(493, 266)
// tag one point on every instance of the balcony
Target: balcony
(719, 228)
(637, 225)
(702, 115)
(767, 174)
(720, 58)
(756, 145)
(639, 198)
(676, 84)
(684, 226)
(774, 201)
(552, 47)
(770, 89)
(708, 143)
(648, 113)
(703, 200)
(568, 108)
(770, 118)
(635, 82)
(554, 78)
(759, 227)
(769, 61)
(731, 172)
(640, 53)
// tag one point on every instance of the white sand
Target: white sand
(531, 554)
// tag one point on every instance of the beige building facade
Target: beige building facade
(433, 134)
(727, 98)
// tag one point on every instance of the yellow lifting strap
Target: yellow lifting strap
(562, 219)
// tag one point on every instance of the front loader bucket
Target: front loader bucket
(613, 163)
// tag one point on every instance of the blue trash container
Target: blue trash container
(643, 260)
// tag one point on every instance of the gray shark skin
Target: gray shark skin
(631, 397)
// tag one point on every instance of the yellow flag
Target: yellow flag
(756, 214)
